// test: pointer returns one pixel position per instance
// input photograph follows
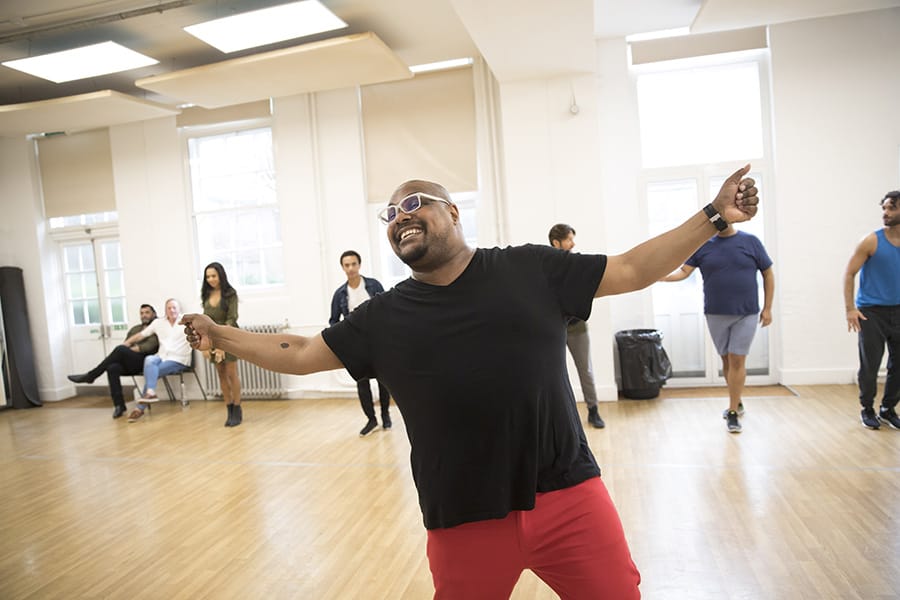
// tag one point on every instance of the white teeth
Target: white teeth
(409, 232)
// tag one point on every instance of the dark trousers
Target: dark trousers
(881, 327)
(121, 361)
(365, 398)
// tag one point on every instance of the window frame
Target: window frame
(188, 133)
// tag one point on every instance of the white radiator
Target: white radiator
(256, 382)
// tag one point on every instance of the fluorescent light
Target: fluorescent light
(79, 63)
(441, 65)
(655, 35)
(266, 26)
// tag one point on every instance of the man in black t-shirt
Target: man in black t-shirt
(472, 347)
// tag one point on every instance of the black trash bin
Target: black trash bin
(643, 361)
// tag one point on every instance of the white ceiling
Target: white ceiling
(518, 39)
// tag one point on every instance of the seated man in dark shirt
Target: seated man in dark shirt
(473, 349)
(123, 360)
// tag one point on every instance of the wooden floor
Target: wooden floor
(292, 504)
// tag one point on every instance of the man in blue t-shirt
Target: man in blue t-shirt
(729, 262)
(876, 313)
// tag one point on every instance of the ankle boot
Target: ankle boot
(230, 421)
(238, 415)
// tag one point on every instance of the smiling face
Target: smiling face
(424, 238)
(212, 278)
(173, 309)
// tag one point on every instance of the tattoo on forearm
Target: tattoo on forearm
(285, 345)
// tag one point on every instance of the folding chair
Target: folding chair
(180, 375)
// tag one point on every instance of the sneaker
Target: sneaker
(369, 428)
(734, 426)
(595, 419)
(889, 415)
(135, 415)
(740, 411)
(869, 419)
(386, 421)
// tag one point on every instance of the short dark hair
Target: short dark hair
(350, 253)
(893, 197)
(559, 232)
(153, 310)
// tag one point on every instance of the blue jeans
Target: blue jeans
(155, 367)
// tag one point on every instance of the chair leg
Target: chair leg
(199, 385)
(165, 380)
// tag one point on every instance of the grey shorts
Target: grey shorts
(732, 334)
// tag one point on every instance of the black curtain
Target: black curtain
(18, 359)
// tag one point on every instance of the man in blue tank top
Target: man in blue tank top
(876, 313)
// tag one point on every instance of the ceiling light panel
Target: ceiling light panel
(267, 26)
(80, 63)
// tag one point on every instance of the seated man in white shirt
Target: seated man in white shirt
(173, 357)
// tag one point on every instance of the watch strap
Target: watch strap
(715, 218)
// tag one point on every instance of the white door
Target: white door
(95, 298)
(678, 307)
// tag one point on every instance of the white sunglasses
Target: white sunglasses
(408, 205)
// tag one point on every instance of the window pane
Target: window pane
(274, 262)
(78, 313)
(232, 170)
(700, 115)
(117, 310)
(93, 308)
(89, 283)
(72, 257)
(87, 257)
(111, 255)
(76, 288)
(115, 285)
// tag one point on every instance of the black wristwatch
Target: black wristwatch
(715, 218)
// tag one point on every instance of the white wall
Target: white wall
(552, 175)
(836, 85)
(24, 244)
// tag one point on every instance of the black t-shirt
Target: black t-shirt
(478, 370)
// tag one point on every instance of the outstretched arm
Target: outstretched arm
(861, 254)
(652, 260)
(679, 274)
(765, 315)
(294, 354)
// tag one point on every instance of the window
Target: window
(700, 114)
(236, 216)
(699, 119)
(95, 293)
(83, 220)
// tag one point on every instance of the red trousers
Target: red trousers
(572, 539)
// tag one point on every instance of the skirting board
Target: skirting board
(817, 376)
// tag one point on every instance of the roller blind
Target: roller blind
(703, 44)
(196, 115)
(420, 128)
(76, 173)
